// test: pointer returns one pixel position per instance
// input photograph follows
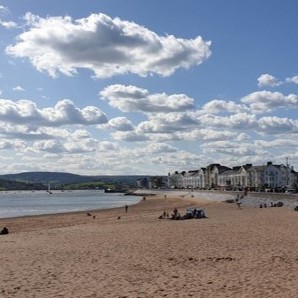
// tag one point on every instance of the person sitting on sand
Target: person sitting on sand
(194, 213)
(4, 231)
(175, 213)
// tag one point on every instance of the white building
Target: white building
(271, 176)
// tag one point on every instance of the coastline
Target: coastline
(247, 252)
(183, 198)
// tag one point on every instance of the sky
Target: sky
(140, 87)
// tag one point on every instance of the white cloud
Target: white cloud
(129, 136)
(108, 146)
(104, 45)
(121, 123)
(52, 146)
(132, 99)
(221, 106)
(266, 101)
(18, 88)
(268, 80)
(12, 144)
(160, 148)
(168, 123)
(276, 125)
(208, 134)
(285, 143)
(292, 80)
(231, 148)
(240, 121)
(3, 9)
(8, 25)
(63, 113)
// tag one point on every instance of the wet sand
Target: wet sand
(247, 252)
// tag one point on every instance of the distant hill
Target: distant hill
(60, 178)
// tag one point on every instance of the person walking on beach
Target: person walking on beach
(126, 208)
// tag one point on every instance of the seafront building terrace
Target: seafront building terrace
(269, 177)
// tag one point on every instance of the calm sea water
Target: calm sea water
(15, 204)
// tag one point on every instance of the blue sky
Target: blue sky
(147, 87)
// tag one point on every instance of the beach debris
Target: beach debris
(4, 231)
(119, 217)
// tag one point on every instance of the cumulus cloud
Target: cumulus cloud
(292, 80)
(53, 146)
(160, 148)
(129, 136)
(168, 123)
(12, 144)
(63, 113)
(277, 125)
(121, 123)
(108, 146)
(208, 134)
(285, 143)
(268, 80)
(132, 99)
(240, 121)
(229, 148)
(72, 142)
(221, 106)
(266, 101)
(104, 45)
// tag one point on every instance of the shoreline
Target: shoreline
(183, 198)
(59, 220)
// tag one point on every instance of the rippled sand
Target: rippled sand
(247, 252)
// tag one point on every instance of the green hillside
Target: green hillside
(40, 180)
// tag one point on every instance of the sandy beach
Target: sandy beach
(247, 252)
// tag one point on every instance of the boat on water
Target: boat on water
(49, 189)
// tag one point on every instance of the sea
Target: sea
(25, 203)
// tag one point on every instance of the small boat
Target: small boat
(49, 189)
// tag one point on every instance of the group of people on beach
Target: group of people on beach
(192, 213)
(278, 204)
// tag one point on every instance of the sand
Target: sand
(247, 252)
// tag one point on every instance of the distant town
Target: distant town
(269, 177)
